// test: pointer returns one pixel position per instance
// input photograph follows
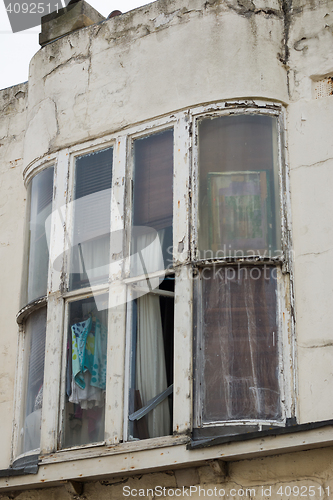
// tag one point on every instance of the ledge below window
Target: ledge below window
(172, 452)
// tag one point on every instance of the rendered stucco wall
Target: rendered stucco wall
(150, 62)
(310, 147)
(12, 212)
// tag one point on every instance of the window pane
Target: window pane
(152, 361)
(237, 362)
(34, 346)
(91, 236)
(40, 193)
(153, 200)
(239, 210)
(86, 371)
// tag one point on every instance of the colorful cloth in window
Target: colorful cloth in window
(89, 341)
(89, 397)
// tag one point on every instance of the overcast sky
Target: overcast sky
(16, 49)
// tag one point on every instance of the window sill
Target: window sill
(159, 454)
(104, 450)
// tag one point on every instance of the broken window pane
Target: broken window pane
(237, 355)
(239, 210)
(151, 373)
(34, 352)
(152, 203)
(86, 371)
(92, 206)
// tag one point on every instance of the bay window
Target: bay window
(91, 219)
(39, 201)
(34, 342)
(238, 362)
(151, 362)
(239, 198)
(163, 293)
(150, 327)
(152, 189)
(87, 318)
(34, 289)
(85, 372)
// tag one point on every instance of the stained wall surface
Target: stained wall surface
(122, 71)
(13, 106)
(310, 150)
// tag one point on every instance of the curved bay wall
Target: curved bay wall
(149, 62)
(12, 209)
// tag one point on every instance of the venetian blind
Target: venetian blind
(153, 193)
(93, 190)
(91, 238)
(35, 333)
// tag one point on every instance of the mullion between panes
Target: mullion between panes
(117, 301)
(117, 209)
(285, 217)
(53, 341)
(68, 235)
(127, 367)
(69, 229)
(194, 192)
(62, 399)
(197, 346)
(58, 223)
(287, 355)
(183, 328)
(128, 203)
(181, 195)
(281, 313)
(183, 351)
(52, 373)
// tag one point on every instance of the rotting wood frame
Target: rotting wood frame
(282, 262)
(184, 242)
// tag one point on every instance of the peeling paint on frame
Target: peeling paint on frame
(184, 234)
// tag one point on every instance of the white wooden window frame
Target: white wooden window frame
(184, 240)
(283, 262)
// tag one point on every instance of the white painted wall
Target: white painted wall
(12, 213)
(310, 148)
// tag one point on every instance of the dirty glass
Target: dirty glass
(40, 194)
(92, 206)
(151, 372)
(33, 379)
(86, 352)
(239, 212)
(237, 355)
(152, 203)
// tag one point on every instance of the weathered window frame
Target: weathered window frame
(184, 238)
(22, 317)
(283, 262)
